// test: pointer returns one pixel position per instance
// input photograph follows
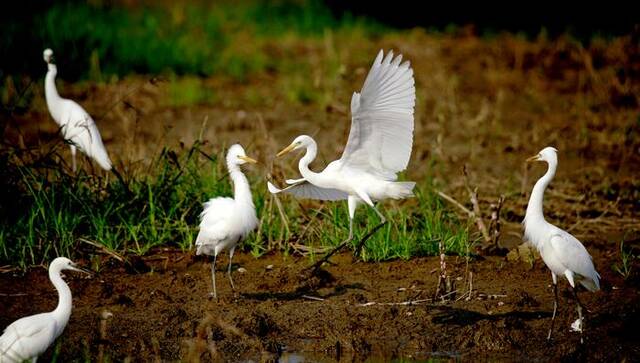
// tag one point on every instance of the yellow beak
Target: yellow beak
(248, 159)
(533, 158)
(286, 149)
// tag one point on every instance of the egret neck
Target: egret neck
(51, 92)
(63, 311)
(303, 164)
(241, 191)
(534, 209)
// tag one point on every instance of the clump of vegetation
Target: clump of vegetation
(182, 37)
(48, 211)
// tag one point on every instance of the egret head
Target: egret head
(48, 56)
(548, 154)
(63, 263)
(237, 156)
(299, 142)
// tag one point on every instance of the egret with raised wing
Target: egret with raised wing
(227, 221)
(563, 254)
(29, 337)
(76, 126)
(379, 146)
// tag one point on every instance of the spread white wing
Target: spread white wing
(381, 135)
(304, 189)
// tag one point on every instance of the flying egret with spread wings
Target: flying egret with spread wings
(563, 254)
(379, 146)
(227, 221)
(76, 126)
(29, 337)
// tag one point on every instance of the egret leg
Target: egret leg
(229, 269)
(352, 204)
(579, 310)
(213, 276)
(555, 303)
(73, 157)
(383, 221)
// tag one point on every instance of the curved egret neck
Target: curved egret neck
(51, 93)
(534, 208)
(63, 311)
(303, 164)
(241, 190)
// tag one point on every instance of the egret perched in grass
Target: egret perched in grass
(563, 254)
(27, 338)
(379, 146)
(227, 221)
(76, 125)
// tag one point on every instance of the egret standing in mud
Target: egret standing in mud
(76, 126)
(27, 338)
(563, 254)
(226, 221)
(379, 146)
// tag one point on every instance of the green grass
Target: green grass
(94, 39)
(48, 211)
(625, 267)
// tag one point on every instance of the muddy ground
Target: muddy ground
(352, 312)
(487, 103)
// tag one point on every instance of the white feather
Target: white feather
(76, 125)
(304, 189)
(382, 123)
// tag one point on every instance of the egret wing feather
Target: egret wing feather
(304, 189)
(381, 136)
(575, 257)
(79, 128)
(213, 226)
(215, 210)
(27, 338)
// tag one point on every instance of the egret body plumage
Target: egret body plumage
(29, 337)
(563, 254)
(227, 221)
(379, 145)
(76, 126)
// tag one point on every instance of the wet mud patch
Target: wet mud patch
(353, 311)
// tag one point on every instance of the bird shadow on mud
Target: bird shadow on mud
(462, 317)
(302, 293)
(308, 284)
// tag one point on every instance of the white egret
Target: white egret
(76, 126)
(227, 221)
(29, 337)
(563, 254)
(379, 146)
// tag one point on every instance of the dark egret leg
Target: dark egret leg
(555, 303)
(383, 221)
(579, 310)
(352, 204)
(73, 157)
(213, 276)
(229, 269)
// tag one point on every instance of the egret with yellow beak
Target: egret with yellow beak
(563, 254)
(227, 221)
(379, 146)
